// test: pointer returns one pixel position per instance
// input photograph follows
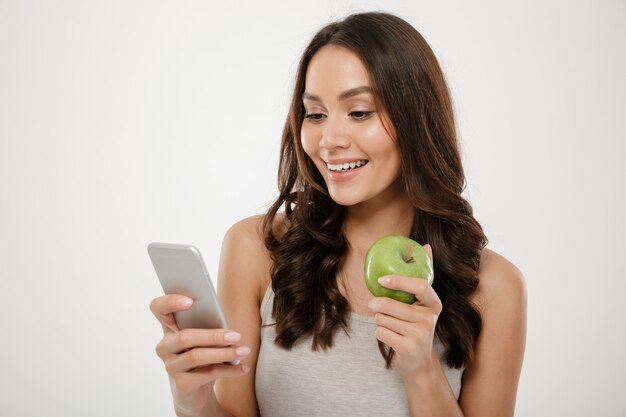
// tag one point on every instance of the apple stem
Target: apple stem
(407, 254)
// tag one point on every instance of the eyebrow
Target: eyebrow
(364, 89)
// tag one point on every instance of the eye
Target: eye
(314, 117)
(361, 115)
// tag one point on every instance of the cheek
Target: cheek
(378, 143)
(308, 140)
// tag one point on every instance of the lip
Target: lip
(343, 160)
(339, 176)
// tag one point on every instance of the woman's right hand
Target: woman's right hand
(194, 358)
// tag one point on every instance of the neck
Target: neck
(388, 214)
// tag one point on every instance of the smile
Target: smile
(347, 165)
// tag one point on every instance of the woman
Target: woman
(369, 149)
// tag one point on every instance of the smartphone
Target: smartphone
(181, 270)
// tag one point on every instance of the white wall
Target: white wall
(124, 122)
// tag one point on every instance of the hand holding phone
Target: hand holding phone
(181, 270)
(209, 350)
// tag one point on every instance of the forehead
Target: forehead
(335, 68)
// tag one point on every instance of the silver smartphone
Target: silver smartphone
(181, 270)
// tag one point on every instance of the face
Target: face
(344, 132)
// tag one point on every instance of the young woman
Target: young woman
(369, 149)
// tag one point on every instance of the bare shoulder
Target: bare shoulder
(246, 233)
(251, 229)
(500, 281)
(243, 277)
(490, 382)
(243, 250)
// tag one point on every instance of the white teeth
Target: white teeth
(347, 165)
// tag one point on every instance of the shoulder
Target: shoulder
(500, 282)
(244, 257)
(243, 276)
(491, 380)
(249, 231)
(246, 233)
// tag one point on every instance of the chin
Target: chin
(344, 200)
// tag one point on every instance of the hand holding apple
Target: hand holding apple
(396, 255)
(409, 329)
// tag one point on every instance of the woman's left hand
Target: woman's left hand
(408, 328)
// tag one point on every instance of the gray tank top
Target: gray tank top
(349, 379)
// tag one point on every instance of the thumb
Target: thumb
(429, 250)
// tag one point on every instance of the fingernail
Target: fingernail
(242, 351)
(185, 302)
(232, 337)
(384, 280)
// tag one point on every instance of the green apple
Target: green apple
(396, 255)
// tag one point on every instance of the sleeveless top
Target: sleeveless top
(349, 379)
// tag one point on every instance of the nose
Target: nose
(334, 134)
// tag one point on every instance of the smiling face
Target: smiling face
(345, 134)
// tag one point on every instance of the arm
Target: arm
(490, 382)
(210, 409)
(194, 358)
(410, 330)
(242, 280)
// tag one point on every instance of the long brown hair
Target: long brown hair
(409, 84)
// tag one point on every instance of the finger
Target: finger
(391, 307)
(191, 338)
(389, 337)
(425, 323)
(429, 250)
(190, 381)
(203, 357)
(394, 324)
(165, 306)
(422, 290)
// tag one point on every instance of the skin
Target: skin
(343, 123)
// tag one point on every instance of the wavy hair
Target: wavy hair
(307, 255)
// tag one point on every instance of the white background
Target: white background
(126, 122)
